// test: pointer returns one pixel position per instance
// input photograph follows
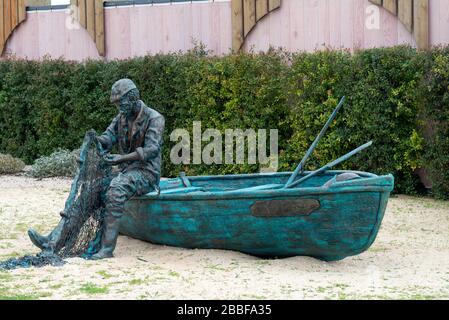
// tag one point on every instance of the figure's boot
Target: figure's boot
(46, 242)
(109, 238)
(38, 240)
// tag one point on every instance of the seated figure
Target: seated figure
(137, 131)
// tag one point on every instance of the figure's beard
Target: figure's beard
(130, 112)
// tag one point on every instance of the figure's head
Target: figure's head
(125, 96)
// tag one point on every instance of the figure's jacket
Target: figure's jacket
(145, 138)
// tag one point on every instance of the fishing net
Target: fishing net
(79, 231)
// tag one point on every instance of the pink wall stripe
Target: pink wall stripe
(298, 25)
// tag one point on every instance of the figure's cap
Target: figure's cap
(120, 88)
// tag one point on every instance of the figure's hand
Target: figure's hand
(92, 133)
(100, 143)
(113, 159)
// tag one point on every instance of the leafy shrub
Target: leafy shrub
(9, 164)
(380, 86)
(391, 94)
(61, 163)
(435, 116)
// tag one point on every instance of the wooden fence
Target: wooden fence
(246, 14)
(414, 14)
(90, 14)
(12, 13)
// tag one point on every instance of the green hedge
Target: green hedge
(434, 98)
(392, 93)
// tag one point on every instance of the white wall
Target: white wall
(56, 2)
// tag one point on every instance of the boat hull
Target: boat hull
(329, 223)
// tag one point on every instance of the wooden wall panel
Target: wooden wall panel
(245, 15)
(22, 10)
(414, 14)
(99, 28)
(237, 24)
(7, 17)
(12, 13)
(249, 16)
(273, 4)
(82, 12)
(421, 23)
(91, 17)
(261, 9)
(405, 13)
(391, 5)
(2, 28)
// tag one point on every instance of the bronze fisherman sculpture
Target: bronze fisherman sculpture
(137, 131)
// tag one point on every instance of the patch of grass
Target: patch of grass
(5, 277)
(12, 294)
(155, 279)
(341, 285)
(377, 249)
(215, 267)
(5, 235)
(418, 296)
(136, 282)
(19, 296)
(105, 274)
(156, 267)
(44, 295)
(7, 245)
(342, 296)
(321, 289)
(91, 288)
(21, 227)
(373, 297)
(55, 286)
(174, 274)
(253, 297)
(287, 289)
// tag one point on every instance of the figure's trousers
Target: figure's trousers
(123, 187)
(119, 189)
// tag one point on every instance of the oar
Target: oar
(331, 164)
(300, 168)
(310, 175)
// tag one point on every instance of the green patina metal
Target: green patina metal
(325, 214)
(333, 215)
(218, 212)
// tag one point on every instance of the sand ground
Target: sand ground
(409, 260)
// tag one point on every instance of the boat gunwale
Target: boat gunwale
(270, 174)
(372, 184)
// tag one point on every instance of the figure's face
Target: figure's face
(126, 106)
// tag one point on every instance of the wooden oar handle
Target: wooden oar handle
(300, 168)
(331, 164)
